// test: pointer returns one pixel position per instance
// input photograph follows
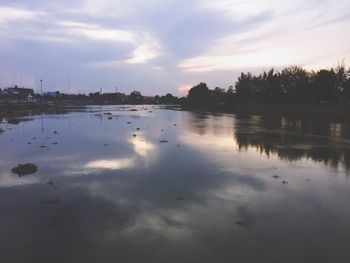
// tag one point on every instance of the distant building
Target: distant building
(18, 93)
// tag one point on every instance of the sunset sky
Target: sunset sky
(160, 46)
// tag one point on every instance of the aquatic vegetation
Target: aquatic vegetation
(13, 121)
(25, 169)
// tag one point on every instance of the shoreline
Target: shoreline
(315, 110)
(336, 111)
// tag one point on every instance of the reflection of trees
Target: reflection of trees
(15, 116)
(292, 139)
(197, 122)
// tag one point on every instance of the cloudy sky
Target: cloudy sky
(159, 46)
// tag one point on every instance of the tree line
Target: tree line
(291, 85)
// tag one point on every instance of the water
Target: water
(211, 191)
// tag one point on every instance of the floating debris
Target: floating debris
(163, 141)
(179, 198)
(134, 110)
(29, 143)
(110, 118)
(51, 201)
(34, 138)
(308, 180)
(137, 129)
(175, 124)
(43, 146)
(162, 130)
(134, 135)
(55, 132)
(276, 176)
(55, 143)
(242, 224)
(48, 137)
(106, 144)
(50, 182)
(1, 130)
(150, 111)
(107, 113)
(284, 182)
(25, 169)
(178, 145)
(55, 221)
(128, 122)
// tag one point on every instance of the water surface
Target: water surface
(148, 184)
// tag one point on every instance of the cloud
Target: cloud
(11, 14)
(190, 42)
(96, 32)
(285, 39)
(183, 89)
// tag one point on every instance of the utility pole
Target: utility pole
(41, 86)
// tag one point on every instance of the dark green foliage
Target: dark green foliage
(135, 97)
(293, 85)
(25, 169)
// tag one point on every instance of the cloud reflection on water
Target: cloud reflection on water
(113, 164)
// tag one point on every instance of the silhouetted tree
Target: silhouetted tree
(325, 86)
(295, 85)
(168, 99)
(135, 97)
(244, 88)
(342, 79)
(199, 95)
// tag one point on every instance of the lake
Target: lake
(153, 184)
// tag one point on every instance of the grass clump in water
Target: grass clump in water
(25, 169)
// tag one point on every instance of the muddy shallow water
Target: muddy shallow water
(148, 184)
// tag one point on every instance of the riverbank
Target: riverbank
(313, 110)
